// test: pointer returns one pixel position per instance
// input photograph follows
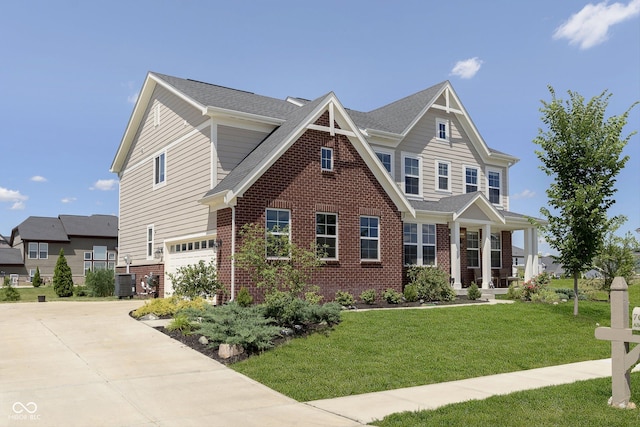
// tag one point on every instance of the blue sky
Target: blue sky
(71, 71)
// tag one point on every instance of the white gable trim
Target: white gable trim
(487, 208)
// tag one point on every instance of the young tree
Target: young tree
(196, 280)
(582, 151)
(37, 280)
(616, 258)
(62, 277)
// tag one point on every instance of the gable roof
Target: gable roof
(10, 256)
(457, 205)
(47, 229)
(90, 226)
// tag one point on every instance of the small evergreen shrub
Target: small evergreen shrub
(345, 299)
(80, 291)
(392, 296)
(62, 277)
(410, 293)
(473, 293)
(100, 283)
(244, 298)
(8, 292)
(37, 280)
(368, 296)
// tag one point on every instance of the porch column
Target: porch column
(534, 249)
(528, 255)
(455, 254)
(486, 256)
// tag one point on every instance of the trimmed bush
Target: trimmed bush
(244, 299)
(431, 283)
(80, 291)
(100, 283)
(368, 296)
(345, 299)
(410, 293)
(392, 296)
(8, 292)
(37, 280)
(473, 293)
(168, 306)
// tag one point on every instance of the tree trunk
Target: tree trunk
(575, 294)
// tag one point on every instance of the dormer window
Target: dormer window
(326, 159)
(442, 129)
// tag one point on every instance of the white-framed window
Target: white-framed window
(494, 179)
(386, 158)
(87, 267)
(369, 238)
(32, 273)
(443, 176)
(496, 250)
(278, 232)
(471, 174)
(473, 249)
(160, 169)
(327, 234)
(88, 256)
(419, 244)
(442, 129)
(38, 250)
(411, 174)
(150, 230)
(33, 250)
(326, 159)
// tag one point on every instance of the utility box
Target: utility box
(125, 285)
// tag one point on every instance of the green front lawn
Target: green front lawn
(382, 350)
(31, 295)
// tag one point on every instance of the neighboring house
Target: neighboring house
(89, 242)
(4, 243)
(519, 261)
(410, 183)
(550, 266)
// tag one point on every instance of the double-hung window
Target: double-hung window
(386, 159)
(326, 159)
(493, 183)
(443, 172)
(38, 250)
(159, 169)
(278, 233)
(327, 235)
(496, 250)
(470, 179)
(369, 238)
(442, 129)
(419, 244)
(473, 249)
(411, 174)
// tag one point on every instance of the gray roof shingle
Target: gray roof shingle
(43, 229)
(91, 226)
(10, 256)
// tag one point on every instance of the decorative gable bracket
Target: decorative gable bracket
(332, 126)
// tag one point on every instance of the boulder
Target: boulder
(229, 350)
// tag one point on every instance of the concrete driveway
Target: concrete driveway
(90, 364)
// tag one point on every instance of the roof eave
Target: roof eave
(212, 111)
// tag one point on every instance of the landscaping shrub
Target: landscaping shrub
(313, 296)
(329, 313)
(8, 292)
(180, 323)
(168, 306)
(368, 296)
(100, 283)
(410, 293)
(196, 280)
(473, 293)
(392, 296)
(431, 283)
(514, 292)
(548, 296)
(345, 299)
(244, 298)
(62, 277)
(80, 291)
(37, 280)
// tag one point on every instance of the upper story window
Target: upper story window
(493, 183)
(419, 247)
(442, 129)
(159, 169)
(369, 238)
(150, 242)
(326, 158)
(443, 172)
(38, 250)
(470, 179)
(386, 158)
(278, 233)
(411, 174)
(327, 235)
(473, 249)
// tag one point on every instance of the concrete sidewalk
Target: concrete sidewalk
(366, 408)
(90, 364)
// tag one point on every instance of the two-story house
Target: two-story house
(410, 183)
(89, 243)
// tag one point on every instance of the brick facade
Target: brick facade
(141, 270)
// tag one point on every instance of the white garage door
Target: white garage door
(176, 260)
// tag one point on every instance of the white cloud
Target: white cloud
(68, 200)
(104, 184)
(467, 68)
(7, 195)
(17, 206)
(38, 178)
(524, 194)
(590, 26)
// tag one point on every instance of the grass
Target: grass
(382, 350)
(31, 295)
(582, 403)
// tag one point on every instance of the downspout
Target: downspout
(233, 253)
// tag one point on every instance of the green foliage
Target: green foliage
(180, 323)
(545, 295)
(168, 306)
(80, 291)
(244, 298)
(582, 151)
(392, 296)
(100, 283)
(62, 277)
(196, 280)
(473, 293)
(410, 293)
(431, 283)
(37, 280)
(344, 298)
(313, 296)
(368, 296)
(235, 325)
(8, 292)
(290, 311)
(616, 258)
(514, 292)
(288, 270)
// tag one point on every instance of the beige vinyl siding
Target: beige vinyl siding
(234, 144)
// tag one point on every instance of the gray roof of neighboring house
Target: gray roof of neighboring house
(517, 252)
(3, 241)
(41, 228)
(10, 256)
(59, 229)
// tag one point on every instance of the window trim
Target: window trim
(150, 239)
(447, 131)
(438, 176)
(420, 244)
(157, 183)
(464, 176)
(489, 187)
(498, 235)
(476, 250)
(389, 153)
(324, 150)
(46, 250)
(287, 232)
(417, 157)
(37, 251)
(377, 239)
(330, 236)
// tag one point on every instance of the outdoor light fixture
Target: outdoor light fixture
(158, 252)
